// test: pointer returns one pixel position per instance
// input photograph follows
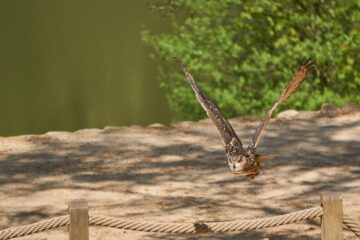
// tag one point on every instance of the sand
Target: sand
(179, 173)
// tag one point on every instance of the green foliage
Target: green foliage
(242, 53)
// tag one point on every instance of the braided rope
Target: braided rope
(201, 227)
(230, 226)
(34, 228)
(352, 224)
(217, 227)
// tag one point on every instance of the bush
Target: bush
(243, 53)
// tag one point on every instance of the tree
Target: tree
(242, 53)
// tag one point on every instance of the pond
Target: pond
(67, 65)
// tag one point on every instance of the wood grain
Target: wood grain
(79, 220)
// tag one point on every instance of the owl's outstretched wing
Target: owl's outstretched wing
(304, 68)
(230, 139)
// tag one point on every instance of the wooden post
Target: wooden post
(79, 220)
(331, 221)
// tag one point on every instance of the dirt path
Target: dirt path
(179, 174)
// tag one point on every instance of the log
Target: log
(79, 220)
(331, 221)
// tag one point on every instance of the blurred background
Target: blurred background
(67, 65)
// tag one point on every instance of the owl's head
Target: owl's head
(247, 165)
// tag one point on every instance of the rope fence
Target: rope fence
(202, 227)
(190, 228)
(34, 228)
(353, 225)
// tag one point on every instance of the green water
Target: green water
(67, 65)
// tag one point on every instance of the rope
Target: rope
(34, 228)
(352, 224)
(201, 227)
(217, 227)
(230, 226)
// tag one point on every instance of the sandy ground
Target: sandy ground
(178, 173)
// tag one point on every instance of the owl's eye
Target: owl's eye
(238, 159)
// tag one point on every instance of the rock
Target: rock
(184, 124)
(288, 114)
(307, 115)
(156, 125)
(349, 108)
(88, 131)
(111, 129)
(330, 110)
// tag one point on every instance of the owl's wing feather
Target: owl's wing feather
(229, 137)
(304, 68)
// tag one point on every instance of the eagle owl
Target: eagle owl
(240, 161)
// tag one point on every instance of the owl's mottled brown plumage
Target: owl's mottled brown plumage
(241, 162)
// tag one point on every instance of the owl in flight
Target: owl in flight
(241, 161)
